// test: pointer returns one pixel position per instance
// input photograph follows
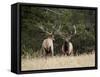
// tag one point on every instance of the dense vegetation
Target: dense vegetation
(32, 36)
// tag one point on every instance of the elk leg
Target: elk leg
(46, 52)
(42, 52)
(52, 52)
(63, 53)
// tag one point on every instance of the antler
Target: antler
(74, 29)
(44, 29)
(71, 35)
(59, 31)
(65, 35)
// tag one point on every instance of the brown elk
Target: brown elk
(47, 45)
(67, 46)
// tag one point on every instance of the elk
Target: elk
(47, 45)
(67, 46)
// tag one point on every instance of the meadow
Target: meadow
(84, 60)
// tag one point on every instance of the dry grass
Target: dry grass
(58, 62)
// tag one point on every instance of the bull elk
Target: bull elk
(67, 46)
(47, 45)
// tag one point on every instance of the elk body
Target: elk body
(67, 48)
(47, 46)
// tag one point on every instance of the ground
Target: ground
(85, 60)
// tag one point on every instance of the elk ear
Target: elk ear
(50, 33)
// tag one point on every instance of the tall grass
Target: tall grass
(37, 63)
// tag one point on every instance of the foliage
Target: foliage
(32, 37)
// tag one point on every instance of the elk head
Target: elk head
(64, 35)
(49, 34)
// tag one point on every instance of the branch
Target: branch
(74, 29)
(53, 11)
